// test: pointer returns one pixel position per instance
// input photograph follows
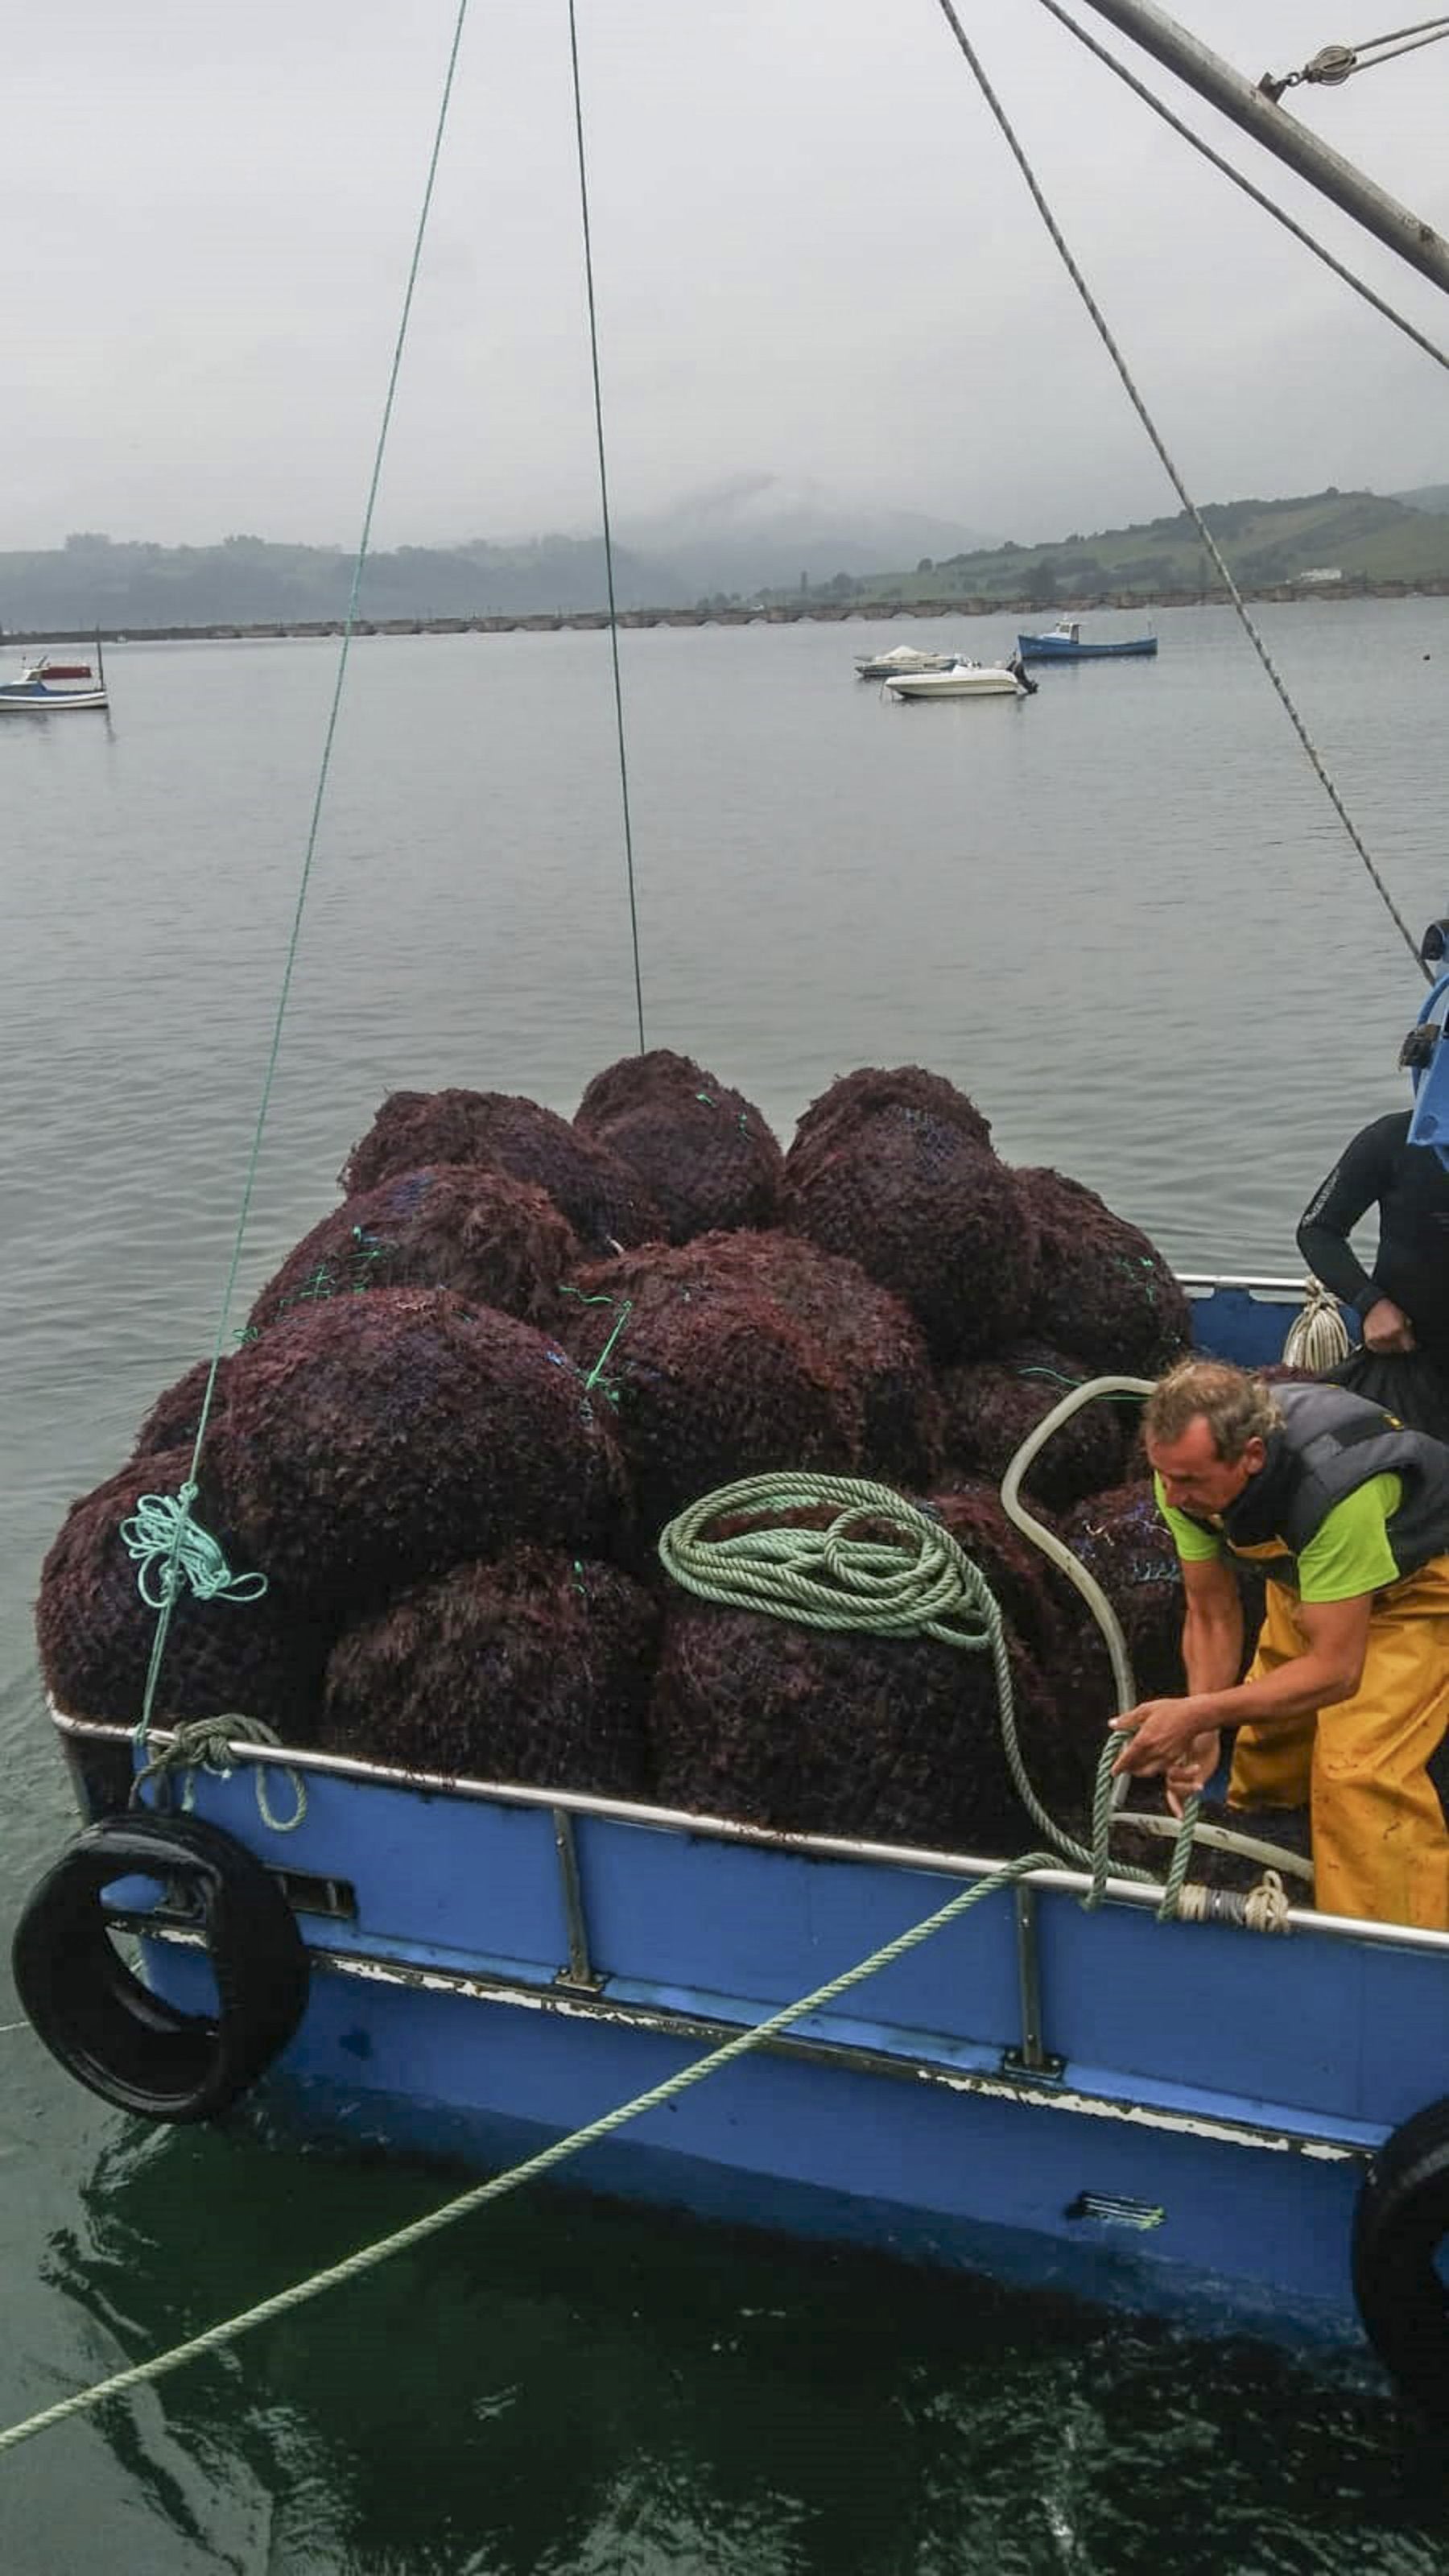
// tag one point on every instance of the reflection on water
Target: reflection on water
(1122, 916)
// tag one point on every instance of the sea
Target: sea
(1125, 917)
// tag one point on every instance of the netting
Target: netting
(536, 1669)
(992, 1406)
(931, 1215)
(94, 1631)
(867, 1335)
(1100, 1288)
(702, 1151)
(375, 1440)
(807, 1731)
(854, 1098)
(498, 1241)
(603, 1199)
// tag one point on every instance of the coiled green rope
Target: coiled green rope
(170, 1547)
(914, 1582)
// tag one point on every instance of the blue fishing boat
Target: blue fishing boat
(1201, 2117)
(1063, 643)
(45, 685)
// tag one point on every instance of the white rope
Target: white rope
(1279, 213)
(1318, 1338)
(1205, 535)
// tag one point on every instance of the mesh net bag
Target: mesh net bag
(497, 1241)
(261, 1658)
(932, 1216)
(992, 1406)
(1101, 1289)
(603, 1199)
(886, 1739)
(535, 1669)
(866, 1335)
(1021, 1578)
(854, 1098)
(375, 1440)
(703, 1152)
(710, 1388)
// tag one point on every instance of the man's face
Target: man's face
(1194, 1477)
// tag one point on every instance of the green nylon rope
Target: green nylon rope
(204, 1744)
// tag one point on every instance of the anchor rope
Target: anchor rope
(607, 527)
(1240, 179)
(170, 1580)
(1205, 535)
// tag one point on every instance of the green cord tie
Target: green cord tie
(205, 1744)
(162, 1535)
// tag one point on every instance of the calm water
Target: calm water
(1124, 917)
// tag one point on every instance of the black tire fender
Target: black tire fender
(110, 2031)
(1401, 2219)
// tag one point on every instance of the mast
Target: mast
(1260, 116)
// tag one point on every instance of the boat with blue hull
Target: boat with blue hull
(1179, 2116)
(1064, 644)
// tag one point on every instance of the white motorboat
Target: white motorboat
(900, 661)
(964, 680)
(46, 683)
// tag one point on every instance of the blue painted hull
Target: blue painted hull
(1054, 648)
(1174, 2116)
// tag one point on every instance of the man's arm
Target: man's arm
(1330, 1669)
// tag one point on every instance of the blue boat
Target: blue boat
(1187, 2117)
(1063, 643)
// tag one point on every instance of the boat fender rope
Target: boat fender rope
(1318, 1337)
(206, 1744)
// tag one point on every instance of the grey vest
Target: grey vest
(1329, 1444)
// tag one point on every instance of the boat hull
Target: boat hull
(983, 682)
(31, 698)
(1175, 2116)
(1053, 648)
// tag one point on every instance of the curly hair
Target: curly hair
(1236, 1406)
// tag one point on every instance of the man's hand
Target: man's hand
(1386, 1327)
(1161, 1734)
(1190, 1773)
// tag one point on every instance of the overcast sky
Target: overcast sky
(814, 260)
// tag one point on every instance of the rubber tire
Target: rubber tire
(106, 2028)
(1401, 2219)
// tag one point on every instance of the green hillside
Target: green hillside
(1265, 543)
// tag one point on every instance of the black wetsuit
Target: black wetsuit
(1410, 1187)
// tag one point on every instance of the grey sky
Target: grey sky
(814, 259)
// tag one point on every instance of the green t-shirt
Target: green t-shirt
(1348, 1554)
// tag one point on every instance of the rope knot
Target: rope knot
(205, 1744)
(170, 1547)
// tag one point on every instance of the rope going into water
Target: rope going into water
(607, 528)
(179, 1541)
(1204, 533)
(1280, 215)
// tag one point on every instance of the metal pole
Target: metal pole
(1279, 133)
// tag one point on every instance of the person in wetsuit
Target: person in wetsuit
(1347, 1698)
(1403, 1303)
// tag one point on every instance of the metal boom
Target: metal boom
(1314, 160)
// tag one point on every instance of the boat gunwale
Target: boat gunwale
(728, 1829)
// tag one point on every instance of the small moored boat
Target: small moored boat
(1063, 643)
(46, 684)
(900, 661)
(965, 680)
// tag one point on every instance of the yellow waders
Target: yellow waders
(1380, 1846)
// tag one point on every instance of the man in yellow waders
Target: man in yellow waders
(1347, 1698)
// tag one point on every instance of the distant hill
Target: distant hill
(757, 532)
(1429, 496)
(1263, 542)
(92, 580)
